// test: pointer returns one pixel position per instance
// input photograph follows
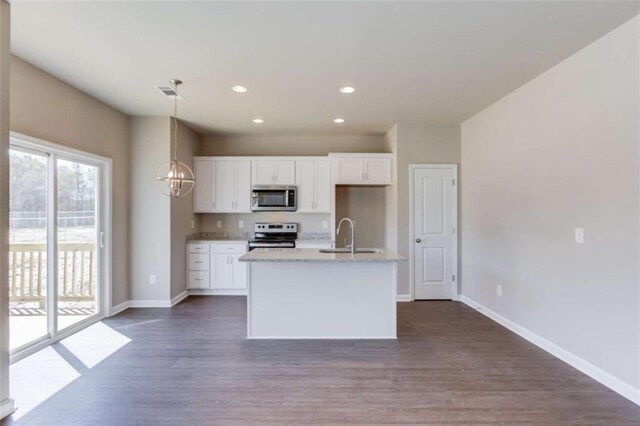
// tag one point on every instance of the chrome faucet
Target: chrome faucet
(353, 233)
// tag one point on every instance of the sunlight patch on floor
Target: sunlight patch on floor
(94, 344)
(40, 376)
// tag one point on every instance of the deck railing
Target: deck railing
(28, 272)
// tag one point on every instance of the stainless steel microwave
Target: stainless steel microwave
(266, 198)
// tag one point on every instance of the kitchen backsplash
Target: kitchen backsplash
(230, 222)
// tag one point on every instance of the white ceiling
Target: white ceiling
(437, 62)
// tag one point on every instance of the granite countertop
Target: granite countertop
(313, 255)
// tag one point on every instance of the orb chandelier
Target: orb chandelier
(174, 178)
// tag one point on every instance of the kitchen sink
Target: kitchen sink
(348, 250)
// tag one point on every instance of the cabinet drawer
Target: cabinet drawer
(198, 279)
(228, 248)
(198, 247)
(198, 262)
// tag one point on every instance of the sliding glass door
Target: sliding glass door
(28, 247)
(77, 241)
(56, 249)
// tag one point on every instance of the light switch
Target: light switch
(219, 224)
(579, 235)
(499, 290)
(241, 224)
(193, 224)
(325, 224)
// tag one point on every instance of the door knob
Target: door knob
(418, 240)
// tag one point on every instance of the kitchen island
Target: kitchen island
(307, 294)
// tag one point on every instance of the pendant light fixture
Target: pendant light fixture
(175, 179)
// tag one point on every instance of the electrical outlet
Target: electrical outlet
(499, 290)
(579, 235)
(193, 224)
(325, 224)
(152, 279)
(219, 224)
(241, 224)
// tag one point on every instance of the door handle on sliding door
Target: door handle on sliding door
(102, 240)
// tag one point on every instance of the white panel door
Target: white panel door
(323, 186)
(263, 172)
(243, 187)
(434, 225)
(285, 172)
(305, 181)
(225, 186)
(204, 190)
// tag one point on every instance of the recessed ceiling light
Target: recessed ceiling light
(339, 120)
(347, 89)
(239, 89)
(258, 120)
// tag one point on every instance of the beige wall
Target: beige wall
(418, 144)
(391, 193)
(561, 153)
(6, 405)
(182, 211)
(49, 109)
(150, 210)
(289, 144)
(366, 206)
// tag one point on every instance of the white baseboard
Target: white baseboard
(179, 298)
(119, 308)
(403, 298)
(7, 407)
(217, 292)
(150, 303)
(596, 373)
(169, 303)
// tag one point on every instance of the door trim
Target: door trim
(454, 284)
(104, 207)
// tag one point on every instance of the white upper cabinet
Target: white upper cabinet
(313, 179)
(377, 171)
(273, 172)
(233, 186)
(243, 186)
(362, 169)
(204, 195)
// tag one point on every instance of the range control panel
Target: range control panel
(276, 227)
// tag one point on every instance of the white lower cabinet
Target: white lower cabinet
(217, 267)
(198, 279)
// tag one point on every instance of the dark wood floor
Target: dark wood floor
(191, 365)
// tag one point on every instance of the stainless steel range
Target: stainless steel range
(274, 235)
